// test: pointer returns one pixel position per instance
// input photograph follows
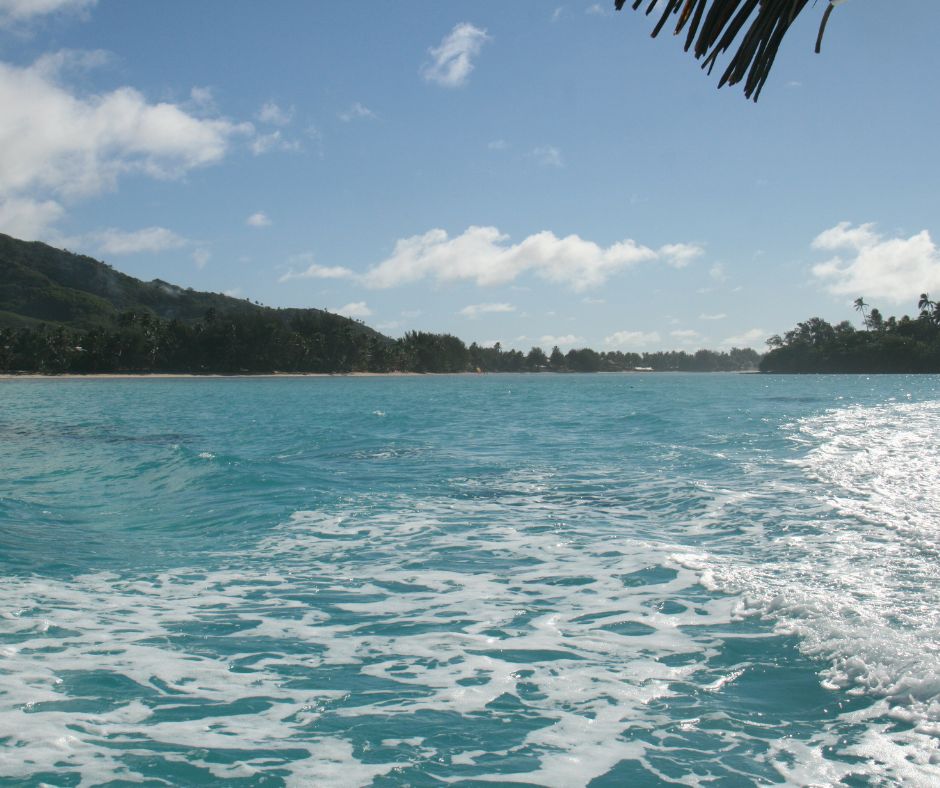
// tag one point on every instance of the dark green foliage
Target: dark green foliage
(61, 312)
(888, 345)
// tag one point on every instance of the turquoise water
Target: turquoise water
(599, 580)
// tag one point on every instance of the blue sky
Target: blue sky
(528, 172)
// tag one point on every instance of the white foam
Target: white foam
(455, 605)
(538, 622)
(858, 581)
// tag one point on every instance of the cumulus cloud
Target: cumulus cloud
(28, 219)
(275, 140)
(485, 256)
(53, 65)
(751, 337)
(314, 270)
(275, 115)
(452, 60)
(685, 335)
(717, 272)
(26, 10)
(895, 269)
(148, 239)
(69, 145)
(680, 255)
(202, 96)
(475, 310)
(356, 112)
(632, 340)
(57, 145)
(259, 219)
(354, 309)
(566, 340)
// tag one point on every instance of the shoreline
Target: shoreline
(8, 376)
(212, 375)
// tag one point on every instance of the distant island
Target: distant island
(886, 345)
(62, 312)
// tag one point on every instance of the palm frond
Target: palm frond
(713, 27)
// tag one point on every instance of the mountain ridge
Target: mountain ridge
(40, 283)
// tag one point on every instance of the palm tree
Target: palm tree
(925, 304)
(861, 306)
(718, 23)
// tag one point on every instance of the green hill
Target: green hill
(64, 312)
(39, 283)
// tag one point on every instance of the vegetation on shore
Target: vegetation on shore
(246, 344)
(884, 345)
(61, 312)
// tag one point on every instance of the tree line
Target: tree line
(890, 344)
(255, 343)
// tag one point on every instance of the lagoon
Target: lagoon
(537, 579)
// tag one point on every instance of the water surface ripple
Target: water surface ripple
(598, 580)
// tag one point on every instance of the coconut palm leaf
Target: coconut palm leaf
(713, 27)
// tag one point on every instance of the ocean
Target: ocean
(558, 580)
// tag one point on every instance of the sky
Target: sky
(530, 173)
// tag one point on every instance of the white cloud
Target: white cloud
(686, 335)
(566, 340)
(556, 14)
(354, 309)
(485, 256)
(895, 269)
(314, 270)
(587, 300)
(475, 310)
(26, 218)
(716, 316)
(453, 58)
(717, 272)
(680, 255)
(202, 97)
(201, 257)
(233, 292)
(751, 337)
(411, 314)
(356, 112)
(54, 64)
(275, 140)
(55, 144)
(115, 241)
(595, 10)
(259, 219)
(273, 114)
(26, 10)
(148, 239)
(547, 156)
(632, 340)
(498, 145)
